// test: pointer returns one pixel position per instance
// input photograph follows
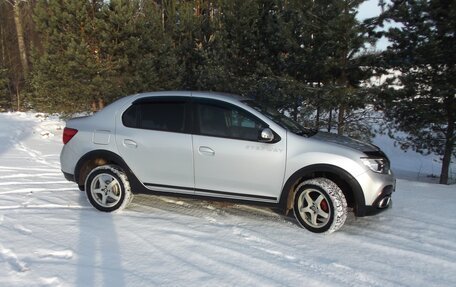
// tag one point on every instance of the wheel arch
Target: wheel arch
(96, 158)
(346, 182)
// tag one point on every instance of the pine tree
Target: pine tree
(96, 51)
(278, 85)
(421, 99)
(229, 58)
(68, 73)
(155, 61)
(135, 53)
(345, 36)
(185, 30)
(324, 46)
(306, 56)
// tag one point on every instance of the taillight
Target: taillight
(68, 134)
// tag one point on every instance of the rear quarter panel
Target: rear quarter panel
(95, 132)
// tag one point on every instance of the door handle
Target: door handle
(206, 150)
(130, 143)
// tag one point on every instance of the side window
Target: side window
(163, 116)
(130, 117)
(156, 115)
(227, 121)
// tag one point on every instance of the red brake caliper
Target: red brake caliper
(324, 205)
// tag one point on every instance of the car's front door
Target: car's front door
(229, 159)
(152, 137)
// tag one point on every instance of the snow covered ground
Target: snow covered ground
(50, 236)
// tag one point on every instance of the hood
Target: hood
(345, 141)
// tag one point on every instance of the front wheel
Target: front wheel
(108, 189)
(319, 205)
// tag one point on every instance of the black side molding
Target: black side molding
(211, 191)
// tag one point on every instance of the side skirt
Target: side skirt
(210, 193)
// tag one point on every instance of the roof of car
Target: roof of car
(201, 94)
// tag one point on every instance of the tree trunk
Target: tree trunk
(329, 121)
(3, 46)
(197, 8)
(18, 96)
(296, 111)
(101, 104)
(448, 152)
(20, 38)
(317, 120)
(341, 120)
(97, 105)
(93, 106)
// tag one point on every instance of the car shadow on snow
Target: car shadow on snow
(209, 209)
(100, 257)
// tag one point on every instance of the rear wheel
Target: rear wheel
(108, 189)
(320, 206)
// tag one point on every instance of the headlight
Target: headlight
(378, 165)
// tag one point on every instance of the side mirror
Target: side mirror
(266, 135)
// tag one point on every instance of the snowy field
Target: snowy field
(50, 236)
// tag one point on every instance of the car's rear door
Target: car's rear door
(153, 138)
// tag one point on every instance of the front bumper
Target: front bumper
(377, 190)
(382, 202)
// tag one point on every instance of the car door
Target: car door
(229, 160)
(152, 137)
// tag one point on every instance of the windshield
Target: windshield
(280, 119)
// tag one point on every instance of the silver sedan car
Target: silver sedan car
(226, 147)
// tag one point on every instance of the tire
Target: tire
(108, 189)
(320, 206)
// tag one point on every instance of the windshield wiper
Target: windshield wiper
(307, 132)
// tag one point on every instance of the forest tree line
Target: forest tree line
(308, 58)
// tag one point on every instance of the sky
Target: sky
(370, 9)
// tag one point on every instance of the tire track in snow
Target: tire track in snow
(11, 168)
(31, 182)
(253, 260)
(421, 272)
(22, 229)
(216, 266)
(299, 265)
(257, 241)
(222, 215)
(24, 175)
(45, 206)
(34, 154)
(428, 244)
(413, 254)
(219, 216)
(39, 189)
